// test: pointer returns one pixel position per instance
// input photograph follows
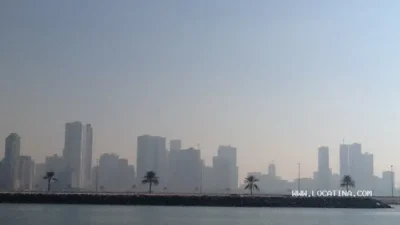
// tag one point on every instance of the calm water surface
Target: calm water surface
(15, 214)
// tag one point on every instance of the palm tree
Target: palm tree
(347, 182)
(150, 178)
(49, 177)
(250, 182)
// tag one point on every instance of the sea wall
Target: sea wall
(204, 200)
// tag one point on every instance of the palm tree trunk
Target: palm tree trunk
(251, 190)
(48, 185)
(347, 187)
(150, 187)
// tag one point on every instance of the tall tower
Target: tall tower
(324, 172)
(229, 154)
(89, 152)
(10, 162)
(323, 158)
(272, 170)
(152, 156)
(78, 152)
(344, 160)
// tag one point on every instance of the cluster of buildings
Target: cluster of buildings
(73, 168)
(353, 162)
(183, 170)
(179, 170)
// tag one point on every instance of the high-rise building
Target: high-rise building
(40, 171)
(108, 168)
(344, 160)
(367, 170)
(222, 168)
(55, 164)
(230, 155)
(173, 169)
(355, 159)
(324, 172)
(208, 179)
(272, 170)
(323, 158)
(189, 171)
(356, 163)
(387, 183)
(152, 156)
(89, 152)
(76, 152)
(26, 172)
(175, 145)
(10, 162)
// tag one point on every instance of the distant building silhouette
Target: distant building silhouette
(152, 156)
(26, 172)
(386, 183)
(222, 172)
(188, 171)
(229, 153)
(77, 152)
(324, 174)
(88, 155)
(38, 182)
(272, 170)
(175, 145)
(344, 160)
(9, 175)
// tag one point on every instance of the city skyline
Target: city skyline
(323, 156)
(275, 79)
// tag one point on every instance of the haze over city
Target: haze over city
(276, 80)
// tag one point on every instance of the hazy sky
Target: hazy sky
(277, 79)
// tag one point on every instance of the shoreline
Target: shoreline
(195, 200)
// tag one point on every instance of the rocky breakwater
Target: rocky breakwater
(196, 200)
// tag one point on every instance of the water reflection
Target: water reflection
(14, 214)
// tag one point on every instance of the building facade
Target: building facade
(77, 153)
(152, 156)
(9, 176)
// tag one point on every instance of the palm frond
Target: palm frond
(255, 186)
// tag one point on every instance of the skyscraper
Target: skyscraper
(76, 152)
(324, 172)
(152, 156)
(367, 170)
(26, 172)
(89, 152)
(188, 171)
(344, 160)
(272, 170)
(229, 153)
(323, 158)
(356, 163)
(222, 168)
(10, 162)
(175, 145)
